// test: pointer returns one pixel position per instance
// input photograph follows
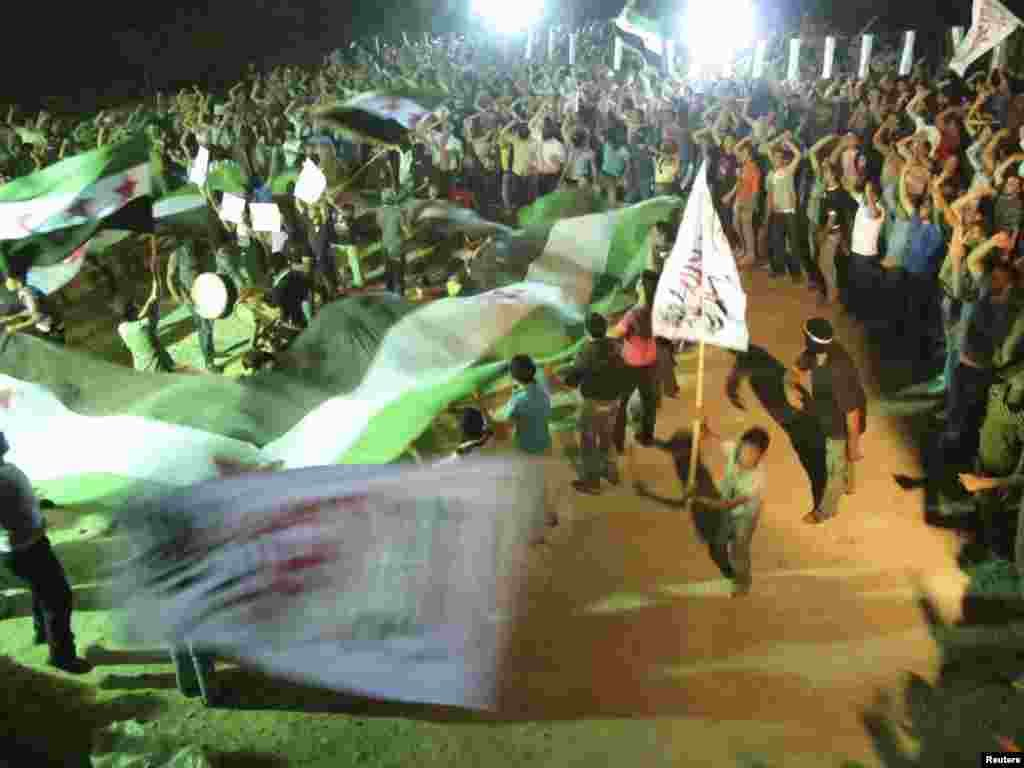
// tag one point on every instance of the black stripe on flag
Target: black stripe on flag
(636, 43)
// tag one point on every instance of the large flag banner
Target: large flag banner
(991, 23)
(48, 215)
(397, 582)
(640, 33)
(700, 297)
(380, 117)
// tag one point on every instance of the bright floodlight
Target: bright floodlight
(509, 15)
(715, 32)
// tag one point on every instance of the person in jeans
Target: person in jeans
(741, 490)
(825, 382)
(27, 553)
(989, 322)
(744, 200)
(640, 352)
(600, 373)
(783, 222)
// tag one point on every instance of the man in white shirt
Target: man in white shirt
(742, 490)
(864, 266)
(27, 553)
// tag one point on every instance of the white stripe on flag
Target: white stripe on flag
(405, 112)
(35, 217)
(172, 206)
(127, 446)
(700, 297)
(576, 250)
(424, 349)
(51, 279)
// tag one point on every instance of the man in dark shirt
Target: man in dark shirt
(825, 381)
(292, 292)
(184, 266)
(921, 319)
(600, 373)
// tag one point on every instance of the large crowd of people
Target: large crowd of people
(895, 199)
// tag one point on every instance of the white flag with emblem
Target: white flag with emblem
(699, 296)
(991, 23)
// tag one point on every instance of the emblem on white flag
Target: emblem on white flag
(991, 23)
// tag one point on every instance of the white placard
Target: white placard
(572, 49)
(311, 183)
(830, 56)
(200, 167)
(670, 55)
(617, 61)
(277, 241)
(866, 44)
(958, 36)
(794, 60)
(529, 44)
(266, 217)
(759, 56)
(552, 39)
(232, 208)
(907, 62)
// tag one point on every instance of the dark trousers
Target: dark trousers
(646, 381)
(864, 284)
(968, 396)
(547, 183)
(667, 384)
(783, 226)
(193, 671)
(204, 333)
(39, 567)
(396, 275)
(920, 321)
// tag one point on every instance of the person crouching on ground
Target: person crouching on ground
(742, 491)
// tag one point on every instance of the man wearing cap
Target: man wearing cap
(825, 379)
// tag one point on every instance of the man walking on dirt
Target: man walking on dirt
(825, 381)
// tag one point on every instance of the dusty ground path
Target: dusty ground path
(633, 650)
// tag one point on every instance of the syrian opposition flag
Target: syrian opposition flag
(641, 34)
(991, 23)
(51, 279)
(380, 117)
(391, 581)
(430, 358)
(449, 348)
(47, 215)
(699, 296)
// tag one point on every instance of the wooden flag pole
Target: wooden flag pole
(691, 480)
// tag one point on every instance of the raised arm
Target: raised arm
(1005, 165)
(816, 150)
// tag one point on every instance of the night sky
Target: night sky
(104, 52)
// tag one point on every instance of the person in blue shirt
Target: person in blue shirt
(921, 322)
(529, 408)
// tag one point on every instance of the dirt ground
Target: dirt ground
(632, 650)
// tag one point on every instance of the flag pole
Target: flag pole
(691, 480)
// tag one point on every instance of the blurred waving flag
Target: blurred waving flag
(48, 215)
(991, 23)
(392, 582)
(641, 34)
(380, 117)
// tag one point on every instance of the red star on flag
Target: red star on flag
(127, 189)
(23, 222)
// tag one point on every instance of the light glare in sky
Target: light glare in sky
(509, 15)
(715, 32)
